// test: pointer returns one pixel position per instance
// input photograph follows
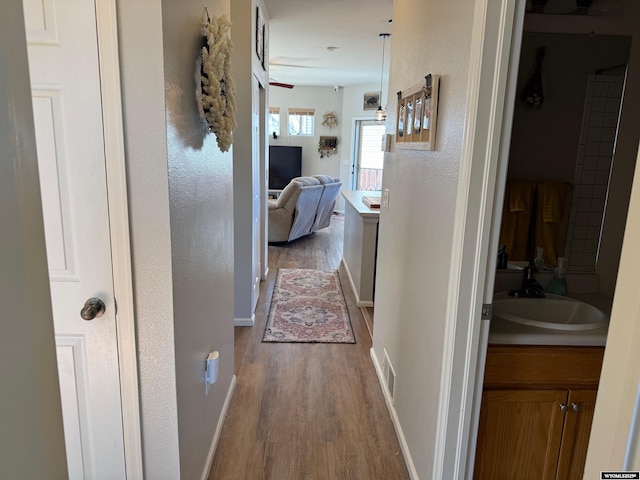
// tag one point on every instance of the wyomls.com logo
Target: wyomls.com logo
(612, 475)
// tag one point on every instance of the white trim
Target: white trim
(216, 435)
(107, 32)
(413, 474)
(359, 303)
(477, 399)
(503, 163)
(455, 278)
(488, 73)
(245, 322)
(354, 150)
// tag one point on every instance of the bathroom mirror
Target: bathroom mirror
(569, 139)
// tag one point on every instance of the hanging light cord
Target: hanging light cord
(384, 40)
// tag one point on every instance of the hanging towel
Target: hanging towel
(552, 219)
(553, 199)
(520, 196)
(516, 218)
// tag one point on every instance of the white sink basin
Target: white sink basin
(554, 312)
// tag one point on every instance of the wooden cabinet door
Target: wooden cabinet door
(519, 434)
(575, 436)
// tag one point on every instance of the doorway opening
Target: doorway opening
(568, 139)
(367, 164)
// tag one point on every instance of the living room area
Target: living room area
(330, 182)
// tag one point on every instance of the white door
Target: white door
(63, 63)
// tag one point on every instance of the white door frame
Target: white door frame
(494, 25)
(107, 30)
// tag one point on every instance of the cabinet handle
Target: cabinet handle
(564, 408)
(576, 407)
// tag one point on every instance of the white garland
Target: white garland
(217, 99)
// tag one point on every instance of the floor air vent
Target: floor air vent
(389, 375)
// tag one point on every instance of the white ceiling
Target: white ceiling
(301, 30)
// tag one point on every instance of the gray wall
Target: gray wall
(245, 66)
(322, 100)
(417, 230)
(181, 214)
(31, 437)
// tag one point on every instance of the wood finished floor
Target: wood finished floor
(306, 411)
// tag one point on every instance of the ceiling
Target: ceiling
(301, 30)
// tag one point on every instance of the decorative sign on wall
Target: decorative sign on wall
(417, 114)
(371, 101)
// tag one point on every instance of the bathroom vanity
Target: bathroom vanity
(538, 400)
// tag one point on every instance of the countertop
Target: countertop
(354, 198)
(503, 332)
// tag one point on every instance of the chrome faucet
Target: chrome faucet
(530, 286)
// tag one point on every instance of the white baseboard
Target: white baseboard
(353, 285)
(394, 418)
(216, 435)
(359, 303)
(245, 322)
(265, 274)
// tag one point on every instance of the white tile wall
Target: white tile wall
(593, 167)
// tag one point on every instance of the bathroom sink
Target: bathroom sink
(554, 312)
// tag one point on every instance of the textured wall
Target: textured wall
(416, 231)
(201, 212)
(181, 228)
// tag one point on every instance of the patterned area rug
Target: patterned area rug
(308, 306)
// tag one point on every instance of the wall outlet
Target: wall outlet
(211, 371)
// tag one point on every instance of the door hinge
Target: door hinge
(115, 305)
(486, 311)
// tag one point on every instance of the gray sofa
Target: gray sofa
(303, 207)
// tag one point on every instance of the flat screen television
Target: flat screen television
(285, 163)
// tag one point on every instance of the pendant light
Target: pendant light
(381, 115)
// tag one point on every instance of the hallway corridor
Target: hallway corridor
(306, 411)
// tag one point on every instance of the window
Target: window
(274, 121)
(301, 121)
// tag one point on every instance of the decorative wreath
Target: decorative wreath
(329, 120)
(217, 92)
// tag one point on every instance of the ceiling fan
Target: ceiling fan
(280, 84)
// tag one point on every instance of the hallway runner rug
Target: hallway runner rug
(308, 306)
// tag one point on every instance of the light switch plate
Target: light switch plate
(386, 142)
